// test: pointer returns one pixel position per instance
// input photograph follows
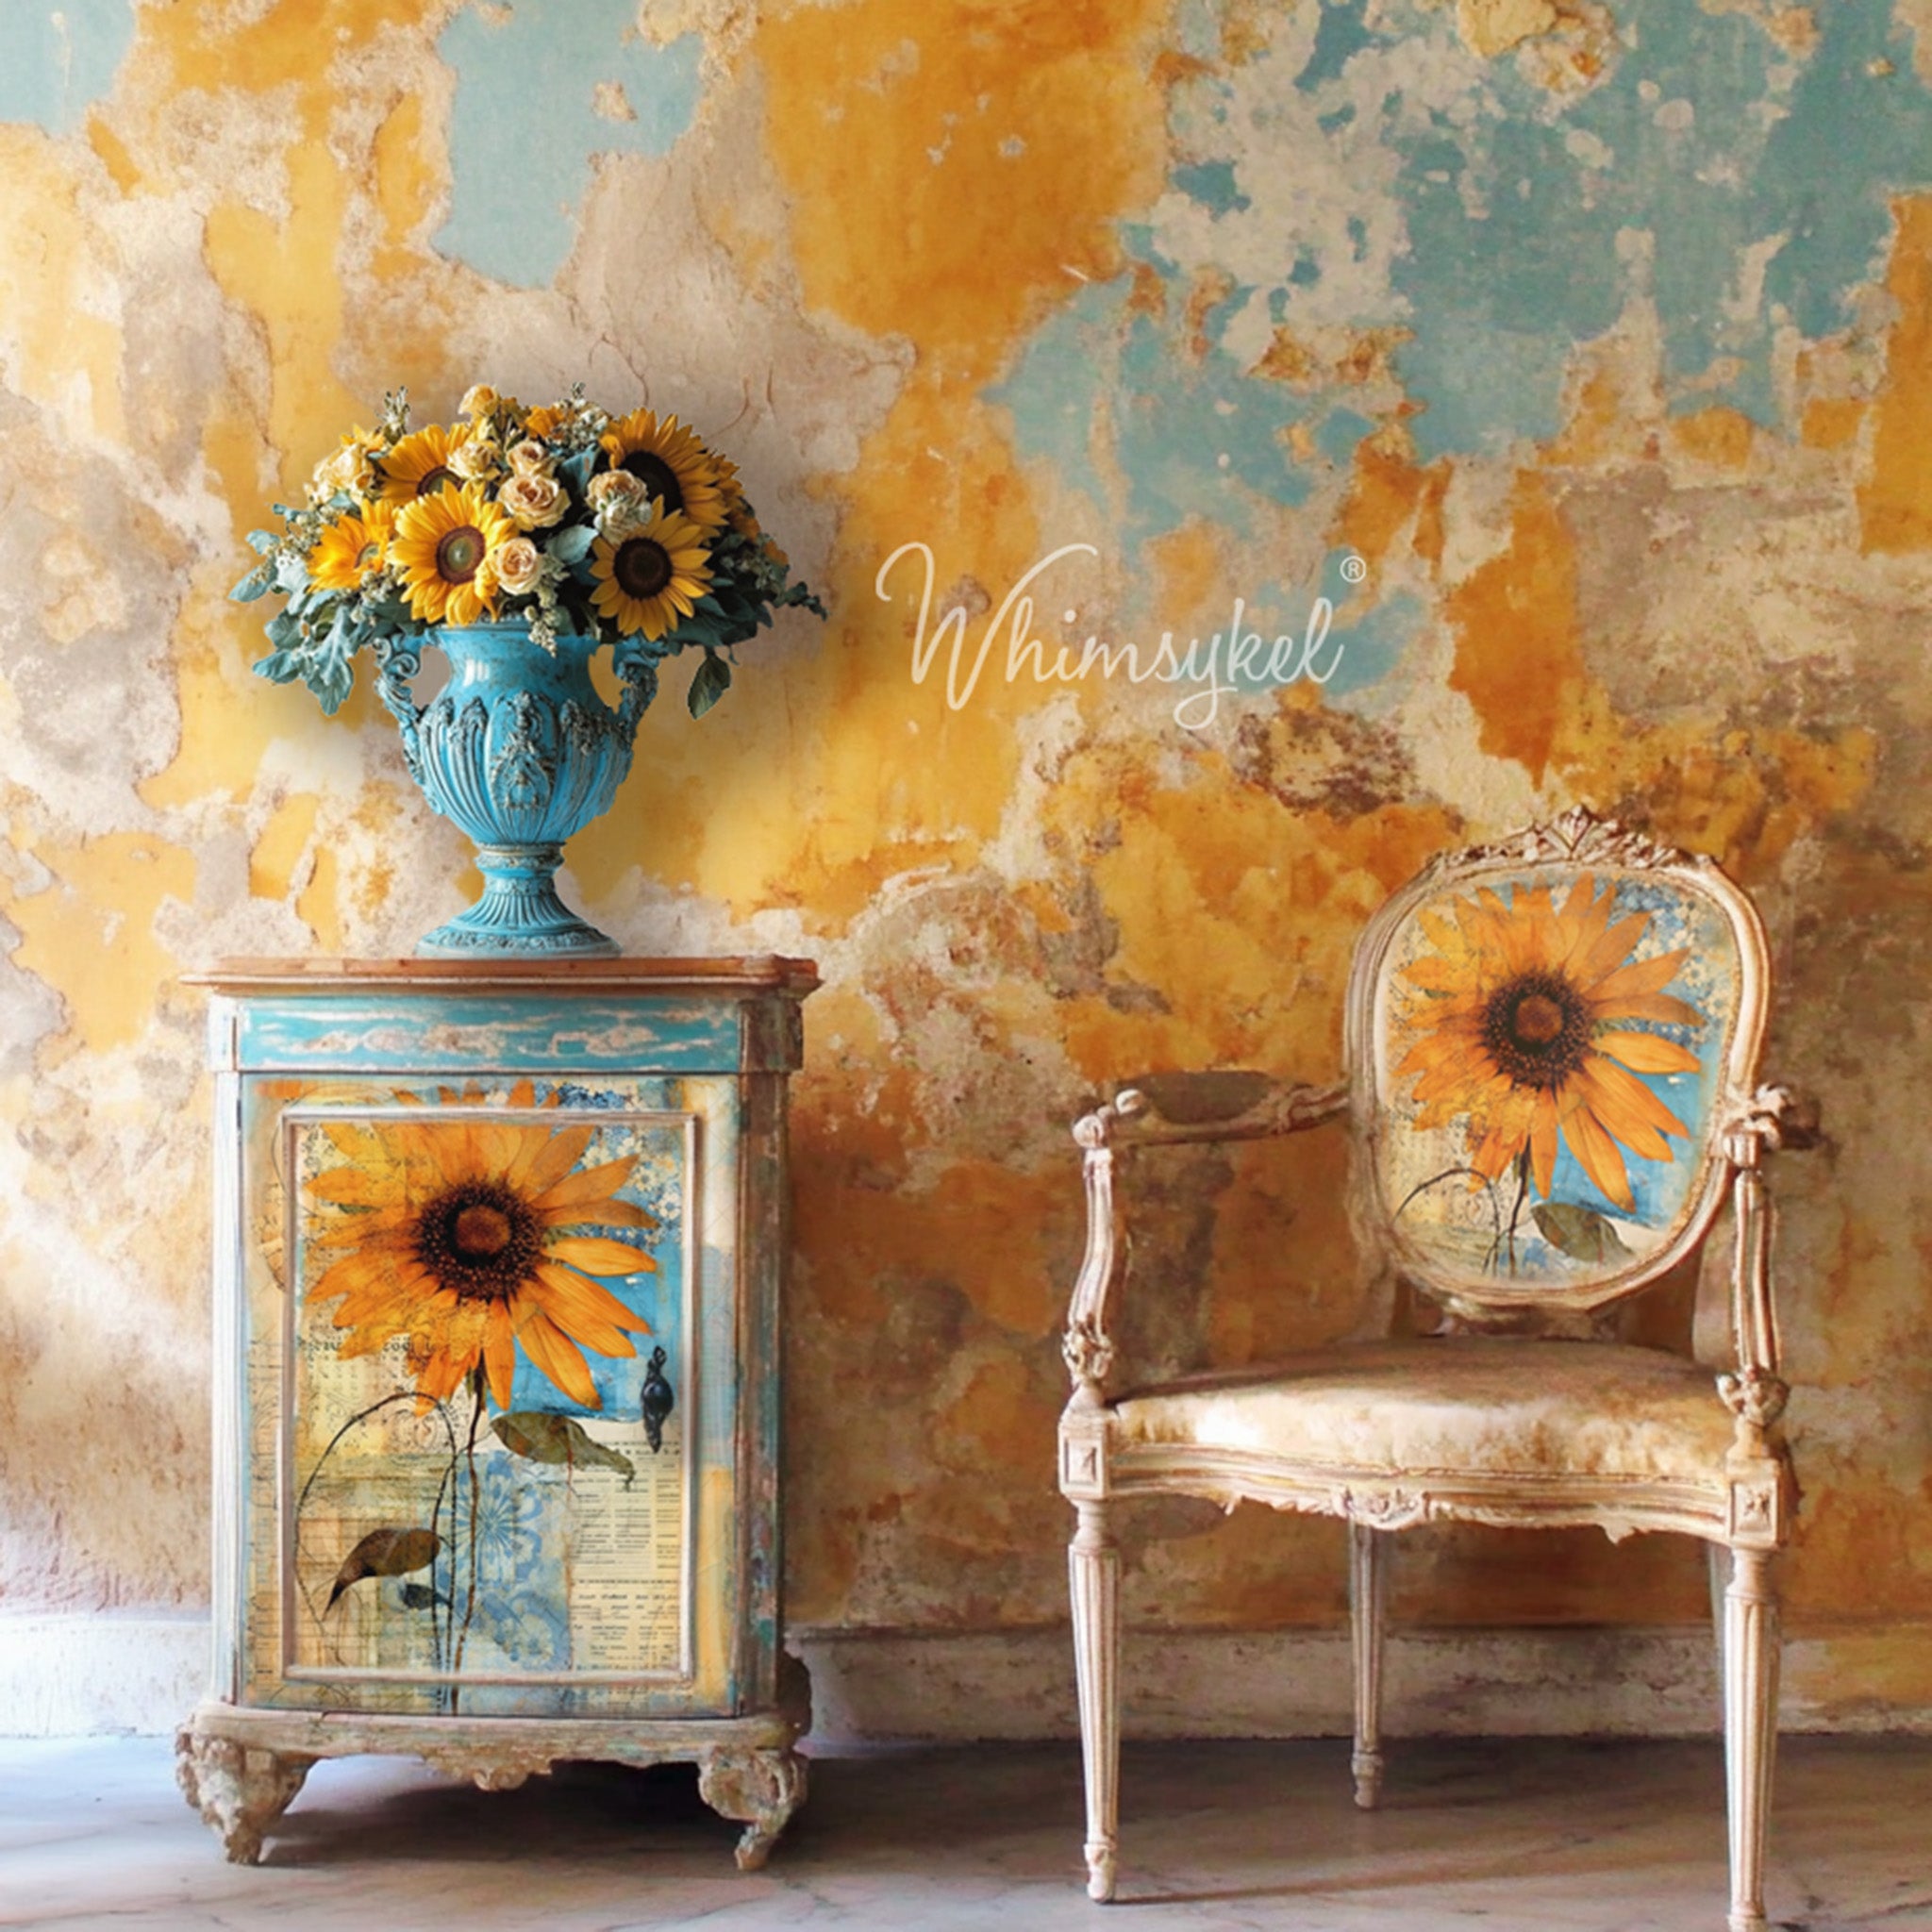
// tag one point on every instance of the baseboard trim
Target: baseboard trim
(1572, 1682)
(77, 1675)
(63, 1676)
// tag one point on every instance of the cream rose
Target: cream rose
(479, 400)
(533, 502)
(519, 567)
(530, 457)
(615, 486)
(348, 470)
(476, 461)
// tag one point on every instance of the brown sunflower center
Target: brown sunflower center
(459, 555)
(480, 1231)
(438, 478)
(479, 1239)
(642, 567)
(656, 476)
(1538, 1019)
(1537, 1029)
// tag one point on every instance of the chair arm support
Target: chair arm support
(1162, 1109)
(1773, 1117)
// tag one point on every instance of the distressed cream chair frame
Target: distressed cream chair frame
(1741, 1506)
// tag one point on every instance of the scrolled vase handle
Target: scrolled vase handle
(398, 661)
(636, 664)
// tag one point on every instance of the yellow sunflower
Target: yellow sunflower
(445, 546)
(1517, 1010)
(652, 575)
(458, 1237)
(673, 465)
(419, 464)
(353, 548)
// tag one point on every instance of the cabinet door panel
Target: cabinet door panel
(489, 1346)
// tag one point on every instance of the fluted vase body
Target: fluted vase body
(520, 751)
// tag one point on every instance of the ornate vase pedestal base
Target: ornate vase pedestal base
(242, 1767)
(519, 914)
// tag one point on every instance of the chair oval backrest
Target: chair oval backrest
(1546, 1037)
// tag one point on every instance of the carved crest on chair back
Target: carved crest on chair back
(1549, 1039)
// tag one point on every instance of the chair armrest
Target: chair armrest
(1162, 1109)
(1170, 1109)
(1773, 1117)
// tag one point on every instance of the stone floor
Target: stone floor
(1537, 1836)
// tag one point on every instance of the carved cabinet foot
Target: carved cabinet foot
(762, 1789)
(240, 1792)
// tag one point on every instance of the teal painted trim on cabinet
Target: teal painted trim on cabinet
(526, 1033)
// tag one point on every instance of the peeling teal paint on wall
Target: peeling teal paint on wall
(1210, 183)
(1185, 436)
(1340, 34)
(1368, 646)
(1186, 431)
(1832, 172)
(54, 61)
(1726, 160)
(1368, 170)
(526, 125)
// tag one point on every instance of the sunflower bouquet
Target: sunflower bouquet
(627, 530)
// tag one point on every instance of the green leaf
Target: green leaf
(261, 541)
(572, 544)
(799, 597)
(710, 682)
(332, 668)
(254, 585)
(1580, 1232)
(701, 628)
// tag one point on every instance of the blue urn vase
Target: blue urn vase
(520, 751)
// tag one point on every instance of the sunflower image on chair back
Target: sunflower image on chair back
(1549, 1046)
(475, 1269)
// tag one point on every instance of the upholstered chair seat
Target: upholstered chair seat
(1449, 1407)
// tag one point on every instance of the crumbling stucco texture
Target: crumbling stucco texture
(1600, 334)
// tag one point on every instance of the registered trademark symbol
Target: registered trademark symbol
(1354, 569)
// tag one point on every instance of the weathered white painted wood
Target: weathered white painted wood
(1751, 1672)
(1367, 1612)
(1094, 1571)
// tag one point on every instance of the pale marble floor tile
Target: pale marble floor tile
(1535, 1836)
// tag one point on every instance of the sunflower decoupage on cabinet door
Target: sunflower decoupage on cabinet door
(498, 1253)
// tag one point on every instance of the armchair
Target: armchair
(1552, 1049)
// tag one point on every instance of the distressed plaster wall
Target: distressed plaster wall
(1600, 334)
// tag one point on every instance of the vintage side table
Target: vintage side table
(498, 1253)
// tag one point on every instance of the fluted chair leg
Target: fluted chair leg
(1093, 1567)
(1717, 1558)
(1750, 1673)
(1366, 1607)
